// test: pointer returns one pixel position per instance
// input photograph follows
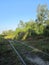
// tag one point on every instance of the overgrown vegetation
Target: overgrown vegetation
(32, 29)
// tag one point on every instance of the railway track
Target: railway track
(21, 54)
(29, 56)
(17, 53)
(36, 49)
(8, 55)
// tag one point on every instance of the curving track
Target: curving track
(28, 54)
(17, 52)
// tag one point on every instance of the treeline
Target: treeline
(33, 28)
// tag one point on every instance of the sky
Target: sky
(12, 11)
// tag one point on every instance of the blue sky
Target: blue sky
(12, 11)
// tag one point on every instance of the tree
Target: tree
(21, 24)
(42, 13)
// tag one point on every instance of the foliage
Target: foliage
(31, 28)
(42, 13)
(46, 31)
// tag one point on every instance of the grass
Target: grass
(40, 44)
(8, 56)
